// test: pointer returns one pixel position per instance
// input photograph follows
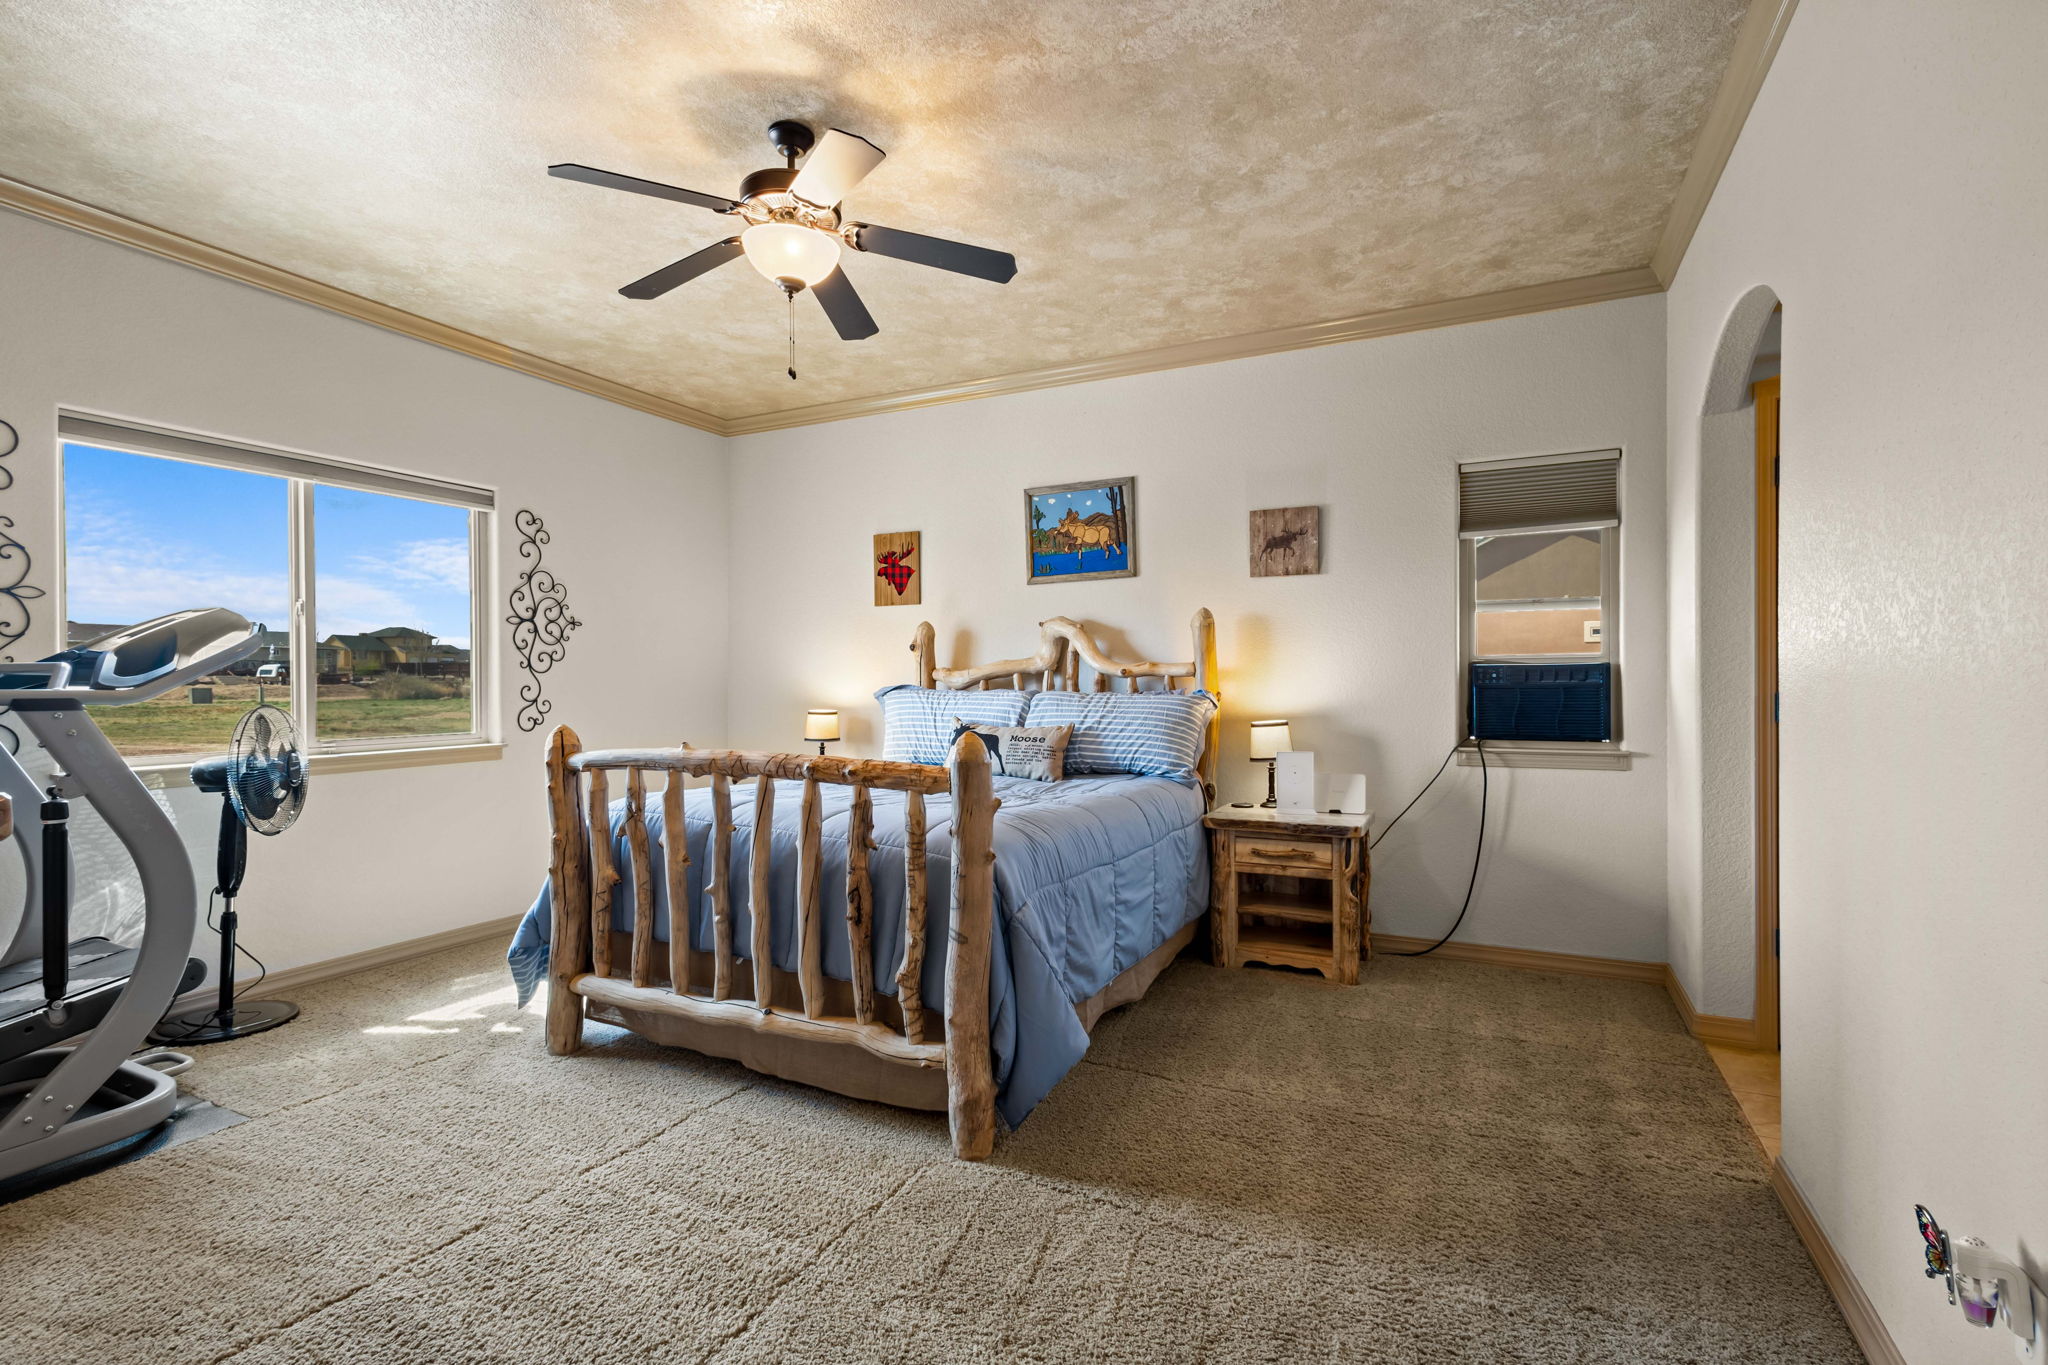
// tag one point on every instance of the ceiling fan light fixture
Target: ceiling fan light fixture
(788, 251)
(840, 161)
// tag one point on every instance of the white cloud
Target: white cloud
(355, 606)
(116, 574)
(433, 563)
(115, 577)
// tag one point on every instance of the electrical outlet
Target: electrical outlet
(1592, 632)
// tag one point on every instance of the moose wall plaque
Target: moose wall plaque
(1287, 540)
(898, 569)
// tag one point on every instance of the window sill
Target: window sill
(1603, 757)
(176, 774)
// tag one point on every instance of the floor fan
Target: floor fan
(262, 786)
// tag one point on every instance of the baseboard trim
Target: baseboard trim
(1857, 1310)
(1527, 959)
(1710, 1028)
(294, 978)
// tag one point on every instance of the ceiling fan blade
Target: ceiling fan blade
(850, 317)
(612, 180)
(958, 257)
(838, 163)
(683, 271)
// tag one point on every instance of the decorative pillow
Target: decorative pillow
(1156, 733)
(918, 722)
(1036, 752)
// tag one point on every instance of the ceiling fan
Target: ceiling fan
(794, 231)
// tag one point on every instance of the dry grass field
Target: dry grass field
(380, 708)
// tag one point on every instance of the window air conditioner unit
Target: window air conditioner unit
(1572, 702)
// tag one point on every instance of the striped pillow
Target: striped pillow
(918, 722)
(1156, 733)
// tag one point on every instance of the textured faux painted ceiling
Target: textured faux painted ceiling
(1164, 172)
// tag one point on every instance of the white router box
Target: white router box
(1294, 780)
(1343, 792)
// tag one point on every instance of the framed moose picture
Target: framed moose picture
(1287, 540)
(1078, 531)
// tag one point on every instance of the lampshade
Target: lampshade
(1269, 737)
(790, 251)
(838, 163)
(821, 725)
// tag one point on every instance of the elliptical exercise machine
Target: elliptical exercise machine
(58, 1099)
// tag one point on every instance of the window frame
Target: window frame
(482, 741)
(1607, 753)
(1610, 576)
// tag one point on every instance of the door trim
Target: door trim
(1768, 709)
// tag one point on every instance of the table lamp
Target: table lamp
(822, 726)
(1269, 739)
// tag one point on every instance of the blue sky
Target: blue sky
(1086, 503)
(145, 536)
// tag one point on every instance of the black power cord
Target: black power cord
(262, 972)
(1478, 847)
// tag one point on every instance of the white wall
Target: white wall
(1888, 187)
(1361, 658)
(385, 856)
(1712, 750)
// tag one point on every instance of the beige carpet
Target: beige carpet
(1448, 1163)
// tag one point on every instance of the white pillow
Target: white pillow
(918, 722)
(1156, 733)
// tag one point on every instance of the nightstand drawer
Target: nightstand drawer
(1309, 857)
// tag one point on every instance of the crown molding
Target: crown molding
(1756, 47)
(98, 222)
(1507, 303)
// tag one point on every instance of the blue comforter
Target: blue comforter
(1092, 874)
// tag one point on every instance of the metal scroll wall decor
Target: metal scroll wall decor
(539, 618)
(16, 592)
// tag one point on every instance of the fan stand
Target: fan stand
(229, 1018)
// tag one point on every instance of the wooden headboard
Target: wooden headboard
(1064, 647)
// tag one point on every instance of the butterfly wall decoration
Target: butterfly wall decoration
(1940, 1261)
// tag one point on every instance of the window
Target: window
(370, 586)
(1537, 594)
(1539, 541)
(393, 608)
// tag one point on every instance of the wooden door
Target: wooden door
(1767, 711)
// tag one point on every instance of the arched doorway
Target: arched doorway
(1738, 546)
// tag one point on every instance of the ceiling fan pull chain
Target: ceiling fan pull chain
(791, 297)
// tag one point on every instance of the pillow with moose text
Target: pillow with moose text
(1038, 752)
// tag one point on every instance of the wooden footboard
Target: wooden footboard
(582, 874)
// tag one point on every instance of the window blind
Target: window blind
(1547, 492)
(258, 460)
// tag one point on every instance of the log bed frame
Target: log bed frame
(841, 1036)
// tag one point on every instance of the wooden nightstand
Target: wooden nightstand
(1290, 888)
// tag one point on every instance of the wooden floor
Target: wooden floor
(1753, 1077)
